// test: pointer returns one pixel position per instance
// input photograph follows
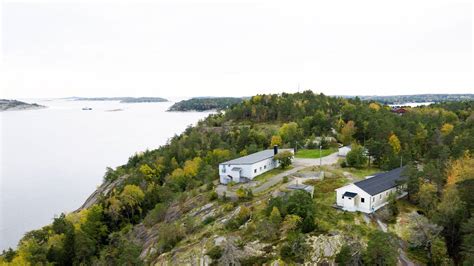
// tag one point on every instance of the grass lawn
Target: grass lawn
(361, 173)
(312, 154)
(265, 176)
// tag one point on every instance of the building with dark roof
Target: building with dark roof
(371, 193)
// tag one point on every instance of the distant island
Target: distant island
(14, 105)
(123, 99)
(205, 104)
(416, 98)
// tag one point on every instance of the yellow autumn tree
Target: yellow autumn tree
(394, 143)
(460, 169)
(374, 106)
(446, 129)
(347, 131)
(191, 167)
(276, 140)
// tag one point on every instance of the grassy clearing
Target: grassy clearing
(359, 173)
(313, 154)
(265, 176)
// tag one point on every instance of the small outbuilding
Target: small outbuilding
(372, 193)
(307, 188)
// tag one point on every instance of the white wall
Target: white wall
(370, 204)
(358, 204)
(248, 170)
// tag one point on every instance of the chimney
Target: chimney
(275, 149)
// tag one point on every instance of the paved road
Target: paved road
(298, 164)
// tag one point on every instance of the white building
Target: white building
(372, 193)
(343, 151)
(246, 168)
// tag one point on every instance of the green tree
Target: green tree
(378, 253)
(284, 158)
(289, 133)
(295, 249)
(131, 198)
(427, 198)
(347, 131)
(356, 157)
(468, 242)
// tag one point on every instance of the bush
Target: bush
(295, 249)
(170, 235)
(208, 220)
(215, 252)
(242, 217)
(213, 196)
(285, 179)
(156, 215)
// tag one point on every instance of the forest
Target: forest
(205, 104)
(436, 142)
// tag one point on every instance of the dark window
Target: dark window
(362, 200)
(255, 170)
(264, 167)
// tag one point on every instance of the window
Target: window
(260, 168)
(380, 196)
(264, 167)
(373, 199)
(254, 171)
(362, 200)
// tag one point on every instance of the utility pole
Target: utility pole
(320, 156)
(401, 160)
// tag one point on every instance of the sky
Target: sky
(184, 48)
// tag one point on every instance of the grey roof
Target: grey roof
(349, 194)
(381, 182)
(254, 157)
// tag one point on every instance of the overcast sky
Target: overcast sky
(235, 48)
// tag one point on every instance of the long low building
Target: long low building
(246, 168)
(372, 193)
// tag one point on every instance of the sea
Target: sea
(52, 159)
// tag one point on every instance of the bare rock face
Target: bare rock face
(103, 190)
(324, 248)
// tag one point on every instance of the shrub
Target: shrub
(208, 220)
(170, 235)
(156, 215)
(295, 249)
(215, 252)
(285, 179)
(213, 196)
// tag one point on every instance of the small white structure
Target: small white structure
(246, 168)
(372, 193)
(343, 151)
(307, 188)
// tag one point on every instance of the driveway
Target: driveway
(298, 164)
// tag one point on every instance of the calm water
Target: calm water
(53, 159)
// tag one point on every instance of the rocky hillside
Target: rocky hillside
(162, 206)
(14, 105)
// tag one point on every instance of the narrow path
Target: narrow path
(402, 256)
(298, 163)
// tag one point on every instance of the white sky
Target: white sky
(235, 48)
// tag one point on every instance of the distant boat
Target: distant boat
(86, 108)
